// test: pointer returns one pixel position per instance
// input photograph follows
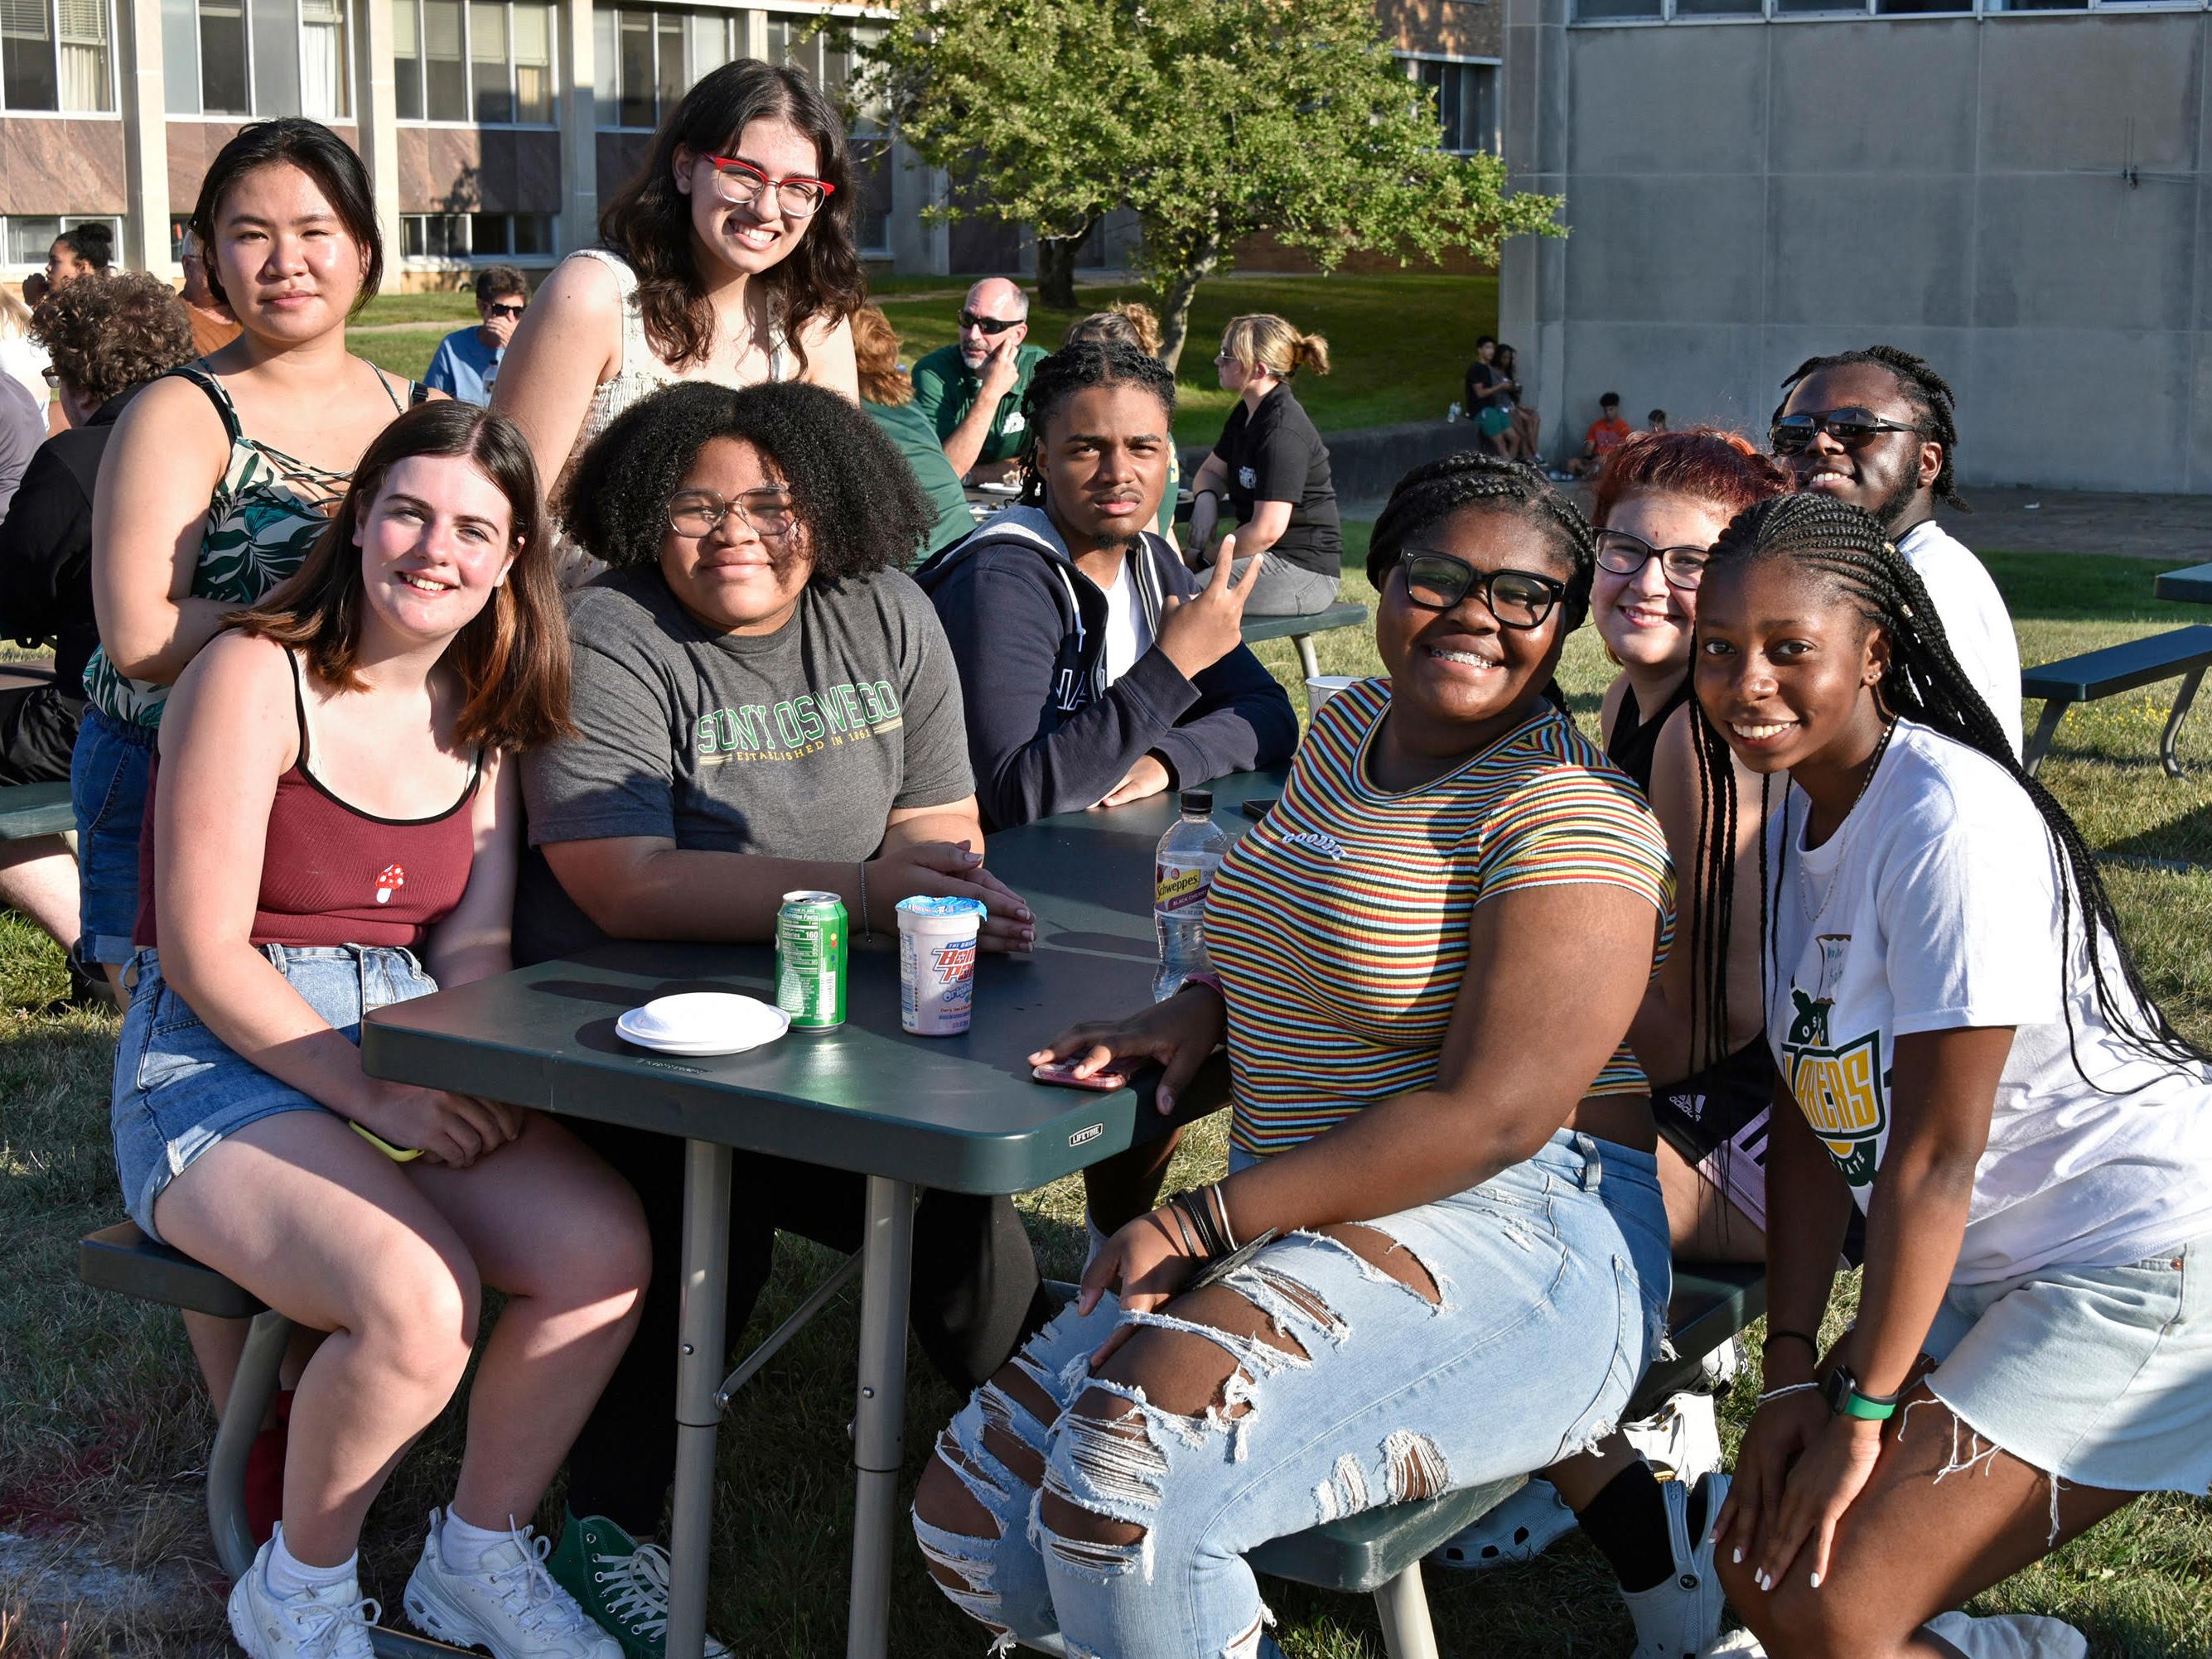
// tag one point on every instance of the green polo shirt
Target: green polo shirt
(944, 389)
(905, 425)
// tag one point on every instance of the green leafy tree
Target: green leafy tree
(1212, 119)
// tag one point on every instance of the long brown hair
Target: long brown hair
(513, 657)
(649, 222)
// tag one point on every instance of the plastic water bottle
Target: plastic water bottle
(1183, 875)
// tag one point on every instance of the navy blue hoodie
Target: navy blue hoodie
(1046, 734)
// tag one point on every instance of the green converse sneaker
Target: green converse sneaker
(620, 1582)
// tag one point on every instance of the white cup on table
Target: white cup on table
(1320, 688)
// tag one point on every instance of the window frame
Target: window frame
(113, 90)
(1860, 10)
(471, 260)
(553, 44)
(1411, 60)
(8, 220)
(348, 27)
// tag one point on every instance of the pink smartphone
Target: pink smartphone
(1061, 1074)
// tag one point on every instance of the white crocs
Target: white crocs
(1679, 1617)
(1681, 1439)
(1519, 1530)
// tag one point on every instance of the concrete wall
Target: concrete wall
(1745, 195)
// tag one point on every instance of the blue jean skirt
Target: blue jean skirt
(179, 1089)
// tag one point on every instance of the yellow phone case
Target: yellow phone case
(397, 1154)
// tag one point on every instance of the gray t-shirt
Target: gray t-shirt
(23, 430)
(797, 743)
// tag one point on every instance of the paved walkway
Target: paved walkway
(2176, 528)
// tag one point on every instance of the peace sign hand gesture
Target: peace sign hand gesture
(1199, 632)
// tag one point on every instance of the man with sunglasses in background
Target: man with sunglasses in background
(1878, 428)
(971, 391)
(467, 363)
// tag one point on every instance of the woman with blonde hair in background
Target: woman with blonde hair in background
(1272, 468)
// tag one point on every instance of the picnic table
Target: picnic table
(2192, 585)
(957, 1113)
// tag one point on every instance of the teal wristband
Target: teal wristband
(1866, 1409)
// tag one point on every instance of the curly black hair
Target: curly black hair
(1430, 493)
(862, 510)
(1078, 367)
(112, 330)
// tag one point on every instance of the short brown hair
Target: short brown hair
(875, 353)
(112, 330)
(513, 657)
(498, 281)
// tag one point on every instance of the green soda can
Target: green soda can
(810, 960)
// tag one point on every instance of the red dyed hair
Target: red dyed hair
(1724, 468)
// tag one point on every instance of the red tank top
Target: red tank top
(331, 874)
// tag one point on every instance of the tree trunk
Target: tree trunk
(1056, 268)
(1175, 322)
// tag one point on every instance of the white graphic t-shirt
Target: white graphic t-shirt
(1128, 633)
(1934, 907)
(1974, 618)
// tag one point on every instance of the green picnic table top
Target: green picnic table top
(1318, 622)
(957, 1113)
(27, 810)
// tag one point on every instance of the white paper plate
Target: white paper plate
(999, 489)
(703, 1022)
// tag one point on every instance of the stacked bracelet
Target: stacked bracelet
(1774, 1336)
(1201, 1215)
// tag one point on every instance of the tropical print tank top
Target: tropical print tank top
(263, 519)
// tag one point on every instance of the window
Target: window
(1466, 101)
(476, 235)
(1608, 11)
(323, 59)
(54, 56)
(445, 80)
(648, 60)
(26, 239)
(829, 55)
(489, 62)
(263, 58)
(223, 59)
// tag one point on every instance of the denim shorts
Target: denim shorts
(1554, 1279)
(2099, 1376)
(107, 790)
(179, 1089)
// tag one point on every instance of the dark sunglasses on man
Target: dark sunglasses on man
(1854, 429)
(994, 327)
(1517, 598)
(515, 310)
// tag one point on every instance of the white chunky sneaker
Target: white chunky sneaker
(324, 1624)
(1682, 1437)
(1519, 1530)
(1679, 1617)
(510, 1605)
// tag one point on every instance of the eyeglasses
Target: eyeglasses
(505, 310)
(1854, 429)
(740, 183)
(1625, 555)
(696, 513)
(53, 375)
(991, 326)
(1517, 599)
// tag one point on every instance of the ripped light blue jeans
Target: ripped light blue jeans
(1553, 1278)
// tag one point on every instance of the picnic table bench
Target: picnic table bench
(2184, 652)
(28, 810)
(1300, 630)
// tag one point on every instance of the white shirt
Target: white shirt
(1974, 618)
(1935, 906)
(1128, 633)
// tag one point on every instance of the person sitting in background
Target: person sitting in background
(214, 327)
(971, 391)
(1604, 436)
(1879, 428)
(1133, 324)
(1272, 468)
(107, 336)
(1094, 669)
(888, 396)
(1525, 423)
(1656, 421)
(754, 605)
(466, 365)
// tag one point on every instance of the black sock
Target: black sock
(1627, 1520)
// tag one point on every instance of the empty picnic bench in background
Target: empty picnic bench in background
(1300, 630)
(2184, 653)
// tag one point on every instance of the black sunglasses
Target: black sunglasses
(990, 325)
(1854, 429)
(1517, 598)
(505, 310)
(1625, 555)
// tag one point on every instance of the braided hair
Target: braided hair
(1925, 682)
(1929, 393)
(1079, 367)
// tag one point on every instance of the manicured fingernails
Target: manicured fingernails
(1738, 1558)
(1764, 1581)
(1816, 1581)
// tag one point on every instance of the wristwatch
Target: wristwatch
(1846, 1399)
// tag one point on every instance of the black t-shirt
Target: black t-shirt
(1276, 455)
(1482, 379)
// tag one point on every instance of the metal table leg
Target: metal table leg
(1307, 659)
(880, 1411)
(698, 1376)
(251, 1391)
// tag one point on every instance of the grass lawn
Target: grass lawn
(103, 1432)
(1400, 344)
